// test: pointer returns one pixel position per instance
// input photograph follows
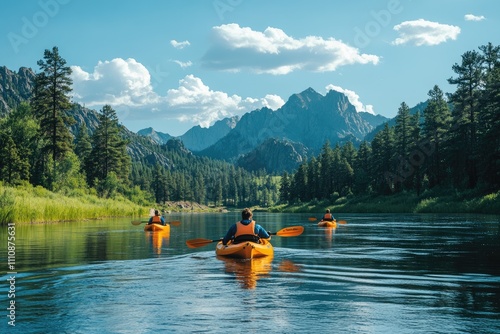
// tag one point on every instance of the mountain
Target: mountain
(15, 87)
(274, 140)
(158, 137)
(274, 156)
(196, 138)
(308, 118)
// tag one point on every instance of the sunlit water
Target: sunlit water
(375, 274)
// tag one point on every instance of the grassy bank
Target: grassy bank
(29, 204)
(437, 201)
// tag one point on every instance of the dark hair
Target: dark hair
(327, 210)
(156, 212)
(246, 213)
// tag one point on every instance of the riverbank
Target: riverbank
(437, 201)
(27, 204)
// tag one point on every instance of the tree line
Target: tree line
(38, 148)
(453, 143)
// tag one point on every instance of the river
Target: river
(381, 273)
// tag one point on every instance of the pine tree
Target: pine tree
(435, 127)
(108, 150)
(83, 145)
(464, 135)
(51, 103)
(489, 119)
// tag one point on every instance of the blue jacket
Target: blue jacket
(258, 230)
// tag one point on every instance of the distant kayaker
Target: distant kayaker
(328, 216)
(157, 218)
(245, 230)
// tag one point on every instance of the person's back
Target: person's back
(328, 216)
(156, 219)
(245, 230)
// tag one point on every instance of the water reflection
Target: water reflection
(248, 271)
(158, 239)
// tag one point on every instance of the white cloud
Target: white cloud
(421, 32)
(272, 51)
(470, 17)
(204, 106)
(126, 86)
(183, 64)
(179, 45)
(115, 82)
(353, 98)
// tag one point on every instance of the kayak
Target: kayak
(245, 250)
(157, 227)
(325, 223)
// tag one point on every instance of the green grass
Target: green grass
(435, 201)
(27, 204)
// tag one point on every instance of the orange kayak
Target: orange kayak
(325, 223)
(157, 227)
(246, 249)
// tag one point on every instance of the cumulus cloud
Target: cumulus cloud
(179, 45)
(272, 51)
(421, 32)
(126, 86)
(353, 98)
(204, 106)
(115, 82)
(470, 17)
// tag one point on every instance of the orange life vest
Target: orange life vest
(242, 229)
(328, 216)
(156, 219)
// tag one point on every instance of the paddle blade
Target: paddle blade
(175, 223)
(311, 219)
(137, 222)
(291, 231)
(341, 222)
(199, 242)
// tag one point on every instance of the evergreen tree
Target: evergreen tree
(108, 150)
(362, 168)
(325, 172)
(12, 168)
(435, 127)
(83, 145)
(464, 135)
(51, 103)
(285, 187)
(490, 121)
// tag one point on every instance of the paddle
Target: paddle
(291, 231)
(338, 221)
(139, 222)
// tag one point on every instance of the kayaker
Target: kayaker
(328, 216)
(245, 230)
(157, 218)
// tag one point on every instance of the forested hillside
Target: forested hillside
(48, 141)
(454, 144)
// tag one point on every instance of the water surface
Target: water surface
(376, 274)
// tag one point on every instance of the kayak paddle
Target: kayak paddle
(291, 231)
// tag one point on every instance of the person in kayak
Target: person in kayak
(245, 230)
(157, 218)
(328, 216)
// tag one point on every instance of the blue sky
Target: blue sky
(174, 64)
